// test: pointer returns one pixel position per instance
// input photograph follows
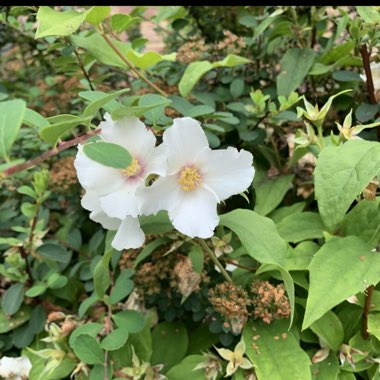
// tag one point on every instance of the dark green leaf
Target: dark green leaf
(12, 298)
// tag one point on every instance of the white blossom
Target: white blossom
(197, 179)
(15, 368)
(113, 195)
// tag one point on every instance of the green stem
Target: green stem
(212, 256)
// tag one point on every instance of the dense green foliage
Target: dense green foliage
(286, 289)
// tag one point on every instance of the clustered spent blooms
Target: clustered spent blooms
(192, 179)
(62, 175)
(264, 301)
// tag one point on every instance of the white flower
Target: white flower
(113, 195)
(197, 179)
(15, 368)
(375, 71)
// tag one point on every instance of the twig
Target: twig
(50, 153)
(369, 81)
(367, 305)
(133, 69)
(212, 256)
(24, 255)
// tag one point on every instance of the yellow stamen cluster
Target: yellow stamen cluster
(189, 178)
(133, 169)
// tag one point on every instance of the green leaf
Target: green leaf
(36, 290)
(185, 368)
(328, 369)
(149, 249)
(92, 96)
(27, 191)
(275, 352)
(88, 349)
(86, 304)
(173, 336)
(301, 226)
(299, 258)
(269, 191)
(54, 131)
(115, 340)
(341, 174)
(123, 286)
(295, 65)
(156, 113)
(364, 221)
(12, 298)
(197, 258)
(346, 76)
(258, 235)
(196, 70)
(97, 14)
(102, 278)
(121, 22)
(156, 224)
(52, 23)
(108, 154)
(53, 252)
(99, 48)
(192, 74)
(366, 112)
(199, 111)
(92, 328)
(130, 320)
(56, 281)
(330, 330)
(374, 324)
(11, 115)
(34, 119)
(369, 14)
(341, 268)
(8, 323)
(95, 105)
(137, 110)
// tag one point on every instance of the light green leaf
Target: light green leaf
(369, 14)
(258, 235)
(341, 174)
(192, 74)
(91, 328)
(173, 336)
(130, 320)
(330, 330)
(295, 65)
(88, 349)
(36, 290)
(97, 14)
(275, 352)
(156, 113)
(95, 105)
(301, 226)
(341, 268)
(374, 324)
(185, 368)
(328, 369)
(108, 154)
(123, 286)
(137, 110)
(269, 191)
(52, 23)
(156, 224)
(364, 221)
(99, 48)
(12, 298)
(121, 22)
(115, 340)
(196, 70)
(11, 115)
(34, 119)
(54, 131)
(97, 95)
(102, 278)
(86, 304)
(299, 258)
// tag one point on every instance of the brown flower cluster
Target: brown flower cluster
(194, 50)
(265, 301)
(231, 44)
(269, 302)
(63, 175)
(232, 302)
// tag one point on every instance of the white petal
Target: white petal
(226, 171)
(184, 139)
(164, 194)
(156, 161)
(121, 203)
(90, 201)
(195, 215)
(129, 234)
(95, 176)
(130, 133)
